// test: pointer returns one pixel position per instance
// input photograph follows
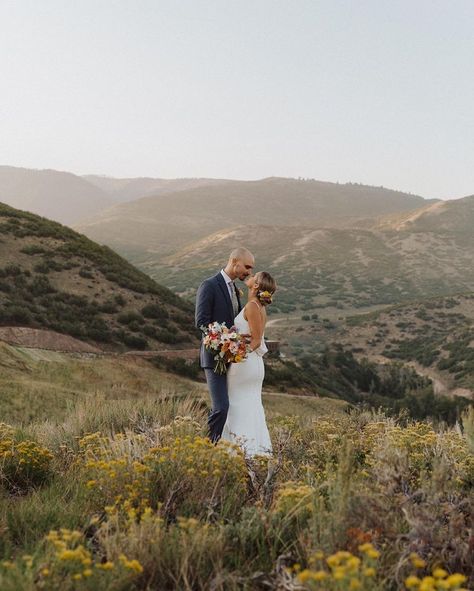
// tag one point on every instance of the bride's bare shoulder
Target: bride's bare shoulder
(254, 311)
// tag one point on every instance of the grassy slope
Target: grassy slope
(53, 277)
(188, 515)
(39, 385)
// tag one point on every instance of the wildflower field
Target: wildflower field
(130, 495)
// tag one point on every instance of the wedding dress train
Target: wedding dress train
(246, 424)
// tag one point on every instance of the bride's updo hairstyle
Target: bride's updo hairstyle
(266, 287)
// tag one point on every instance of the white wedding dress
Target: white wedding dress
(246, 424)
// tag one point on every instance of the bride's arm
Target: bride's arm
(256, 325)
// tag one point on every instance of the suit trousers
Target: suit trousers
(217, 385)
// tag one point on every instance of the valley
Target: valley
(376, 272)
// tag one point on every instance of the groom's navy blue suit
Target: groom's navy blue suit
(213, 304)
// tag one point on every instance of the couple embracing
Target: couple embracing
(237, 412)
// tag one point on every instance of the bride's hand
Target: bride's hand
(254, 344)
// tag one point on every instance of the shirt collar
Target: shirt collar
(226, 277)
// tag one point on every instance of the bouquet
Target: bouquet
(226, 343)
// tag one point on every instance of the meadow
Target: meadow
(121, 490)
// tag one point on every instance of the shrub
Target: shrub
(120, 300)
(341, 571)
(154, 311)
(294, 500)
(32, 249)
(187, 554)
(67, 563)
(11, 270)
(108, 307)
(17, 314)
(188, 477)
(166, 336)
(135, 342)
(128, 317)
(42, 267)
(23, 465)
(41, 286)
(179, 366)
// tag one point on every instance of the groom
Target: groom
(218, 300)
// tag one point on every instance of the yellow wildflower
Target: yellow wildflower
(427, 584)
(369, 572)
(105, 565)
(304, 575)
(417, 561)
(412, 581)
(456, 580)
(134, 565)
(439, 573)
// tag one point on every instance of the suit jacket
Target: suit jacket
(213, 304)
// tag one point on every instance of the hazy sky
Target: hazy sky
(372, 91)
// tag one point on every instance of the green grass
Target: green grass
(48, 387)
(277, 404)
(124, 433)
(38, 385)
(191, 516)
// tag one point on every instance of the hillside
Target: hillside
(342, 267)
(158, 225)
(107, 482)
(434, 335)
(61, 196)
(54, 278)
(45, 385)
(128, 189)
(454, 216)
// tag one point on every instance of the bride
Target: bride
(246, 424)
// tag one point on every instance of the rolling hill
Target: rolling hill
(54, 278)
(454, 216)
(342, 267)
(435, 335)
(159, 225)
(61, 196)
(45, 385)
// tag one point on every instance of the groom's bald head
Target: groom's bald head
(240, 264)
(240, 254)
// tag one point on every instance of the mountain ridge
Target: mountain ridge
(162, 223)
(128, 189)
(340, 267)
(58, 195)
